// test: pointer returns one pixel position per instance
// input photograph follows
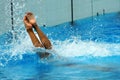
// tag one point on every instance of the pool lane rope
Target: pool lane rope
(72, 18)
(92, 10)
(12, 20)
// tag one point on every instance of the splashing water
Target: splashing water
(82, 50)
(68, 41)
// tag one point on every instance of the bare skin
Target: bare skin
(30, 23)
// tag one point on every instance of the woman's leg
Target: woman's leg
(45, 41)
(33, 37)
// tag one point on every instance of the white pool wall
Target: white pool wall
(4, 17)
(53, 12)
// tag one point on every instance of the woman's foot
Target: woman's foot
(31, 18)
(26, 23)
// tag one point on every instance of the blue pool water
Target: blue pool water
(89, 50)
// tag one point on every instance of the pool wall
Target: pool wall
(53, 12)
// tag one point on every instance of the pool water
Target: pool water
(88, 50)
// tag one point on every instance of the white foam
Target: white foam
(73, 47)
(81, 48)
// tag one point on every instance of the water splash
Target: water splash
(18, 12)
(67, 42)
(78, 48)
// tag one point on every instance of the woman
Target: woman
(30, 23)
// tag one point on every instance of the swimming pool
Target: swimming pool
(89, 50)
